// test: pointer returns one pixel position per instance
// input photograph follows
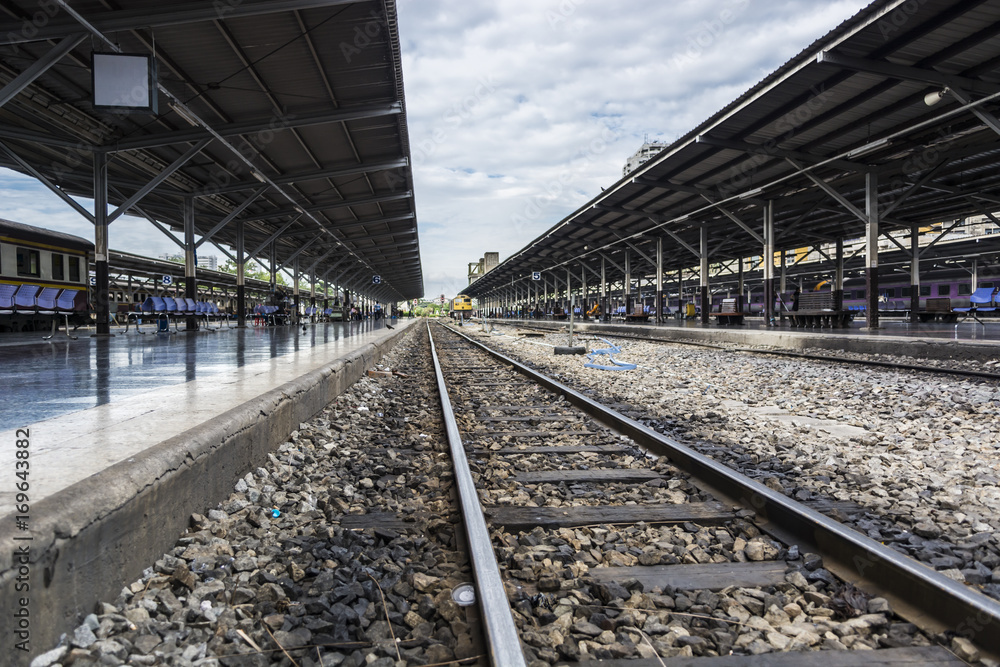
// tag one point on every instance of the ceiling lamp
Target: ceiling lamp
(932, 98)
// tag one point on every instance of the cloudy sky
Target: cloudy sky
(521, 110)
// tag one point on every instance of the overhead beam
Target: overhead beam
(732, 216)
(828, 189)
(315, 175)
(157, 16)
(47, 183)
(341, 115)
(302, 248)
(275, 235)
(905, 72)
(159, 178)
(775, 152)
(342, 203)
(40, 66)
(232, 215)
(371, 221)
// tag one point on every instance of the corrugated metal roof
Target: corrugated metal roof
(278, 72)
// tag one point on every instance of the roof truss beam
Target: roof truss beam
(828, 189)
(906, 73)
(155, 16)
(774, 152)
(47, 183)
(273, 236)
(40, 66)
(158, 179)
(732, 216)
(316, 175)
(341, 115)
(232, 215)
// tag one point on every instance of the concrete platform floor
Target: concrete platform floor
(93, 402)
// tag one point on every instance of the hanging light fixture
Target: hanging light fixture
(933, 97)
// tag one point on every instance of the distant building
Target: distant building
(210, 262)
(486, 263)
(647, 151)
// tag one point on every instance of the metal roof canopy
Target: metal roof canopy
(803, 141)
(285, 118)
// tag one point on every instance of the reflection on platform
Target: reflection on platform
(47, 379)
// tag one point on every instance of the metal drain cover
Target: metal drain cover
(464, 595)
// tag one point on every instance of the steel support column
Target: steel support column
(838, 278)
(706, 305)
(915, 274)
(658, 302)
(241, 304)
(103, 306)
(604, 291)
(871, 250)
(190, 262)
(627, 285)
(741, 287)
(782, 287)
(295, 289)
(768, 262)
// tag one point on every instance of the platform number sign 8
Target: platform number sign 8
(376, 280)
(167, 280)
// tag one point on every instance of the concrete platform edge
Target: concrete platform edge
(97, 536)
(788, 339)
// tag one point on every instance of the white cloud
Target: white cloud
(522, 110)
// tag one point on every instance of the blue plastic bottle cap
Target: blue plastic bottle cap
(275, 513)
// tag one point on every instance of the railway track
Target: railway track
(611, 541)
(959, 372)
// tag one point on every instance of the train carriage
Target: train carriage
(38, 263)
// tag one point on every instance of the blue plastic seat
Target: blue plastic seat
(24, 299)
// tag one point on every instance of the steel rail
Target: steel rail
(799, 355)
(502, 637)
(927, 598)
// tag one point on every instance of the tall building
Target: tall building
(210, 262)
(648, 150)
(486, 263)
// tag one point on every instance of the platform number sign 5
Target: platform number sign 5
(536, 275)
(376, 280)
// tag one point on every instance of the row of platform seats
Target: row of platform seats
(983, 300)
(168, 308)
(38, 301)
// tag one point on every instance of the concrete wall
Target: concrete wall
(99, 534)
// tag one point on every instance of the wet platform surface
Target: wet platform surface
(92, 402)
(48, 379)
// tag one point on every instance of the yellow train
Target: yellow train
(460, 307)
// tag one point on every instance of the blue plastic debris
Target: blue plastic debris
(610, 351)
(275, 513)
